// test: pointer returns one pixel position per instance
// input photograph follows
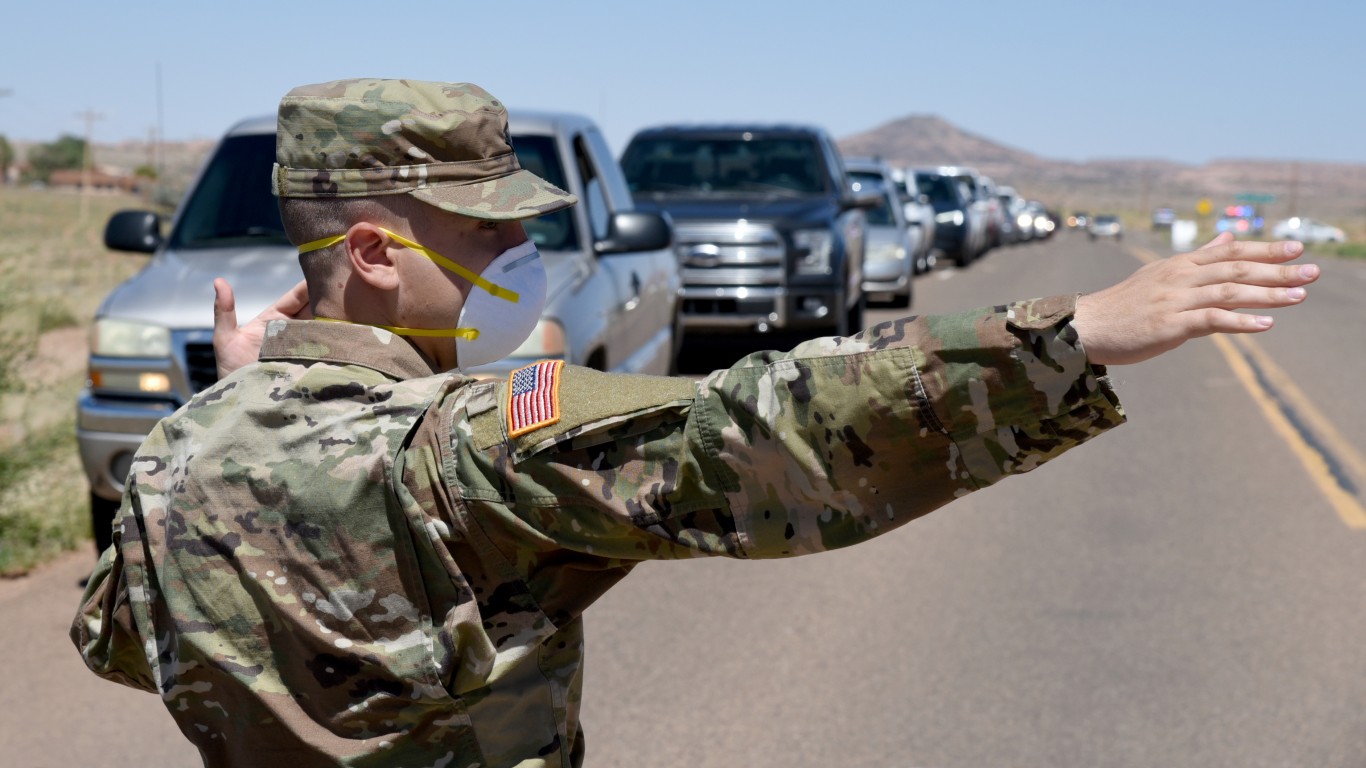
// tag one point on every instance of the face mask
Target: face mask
(504, 306)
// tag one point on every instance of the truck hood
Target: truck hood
(175, 289)
(711, 207)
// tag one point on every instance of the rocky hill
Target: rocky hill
(1333, 191)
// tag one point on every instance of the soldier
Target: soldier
(351, 553)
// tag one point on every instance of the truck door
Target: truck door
(642, 317)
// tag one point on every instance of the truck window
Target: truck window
(554, 231)
(881, 215)
(593, 196)
(232, 202)
(723, 164)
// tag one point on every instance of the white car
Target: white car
(1307, 231)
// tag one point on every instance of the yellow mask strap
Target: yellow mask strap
(496, 290)
(468, 334)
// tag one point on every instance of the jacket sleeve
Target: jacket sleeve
(105, 630)
(837, 441)
(843, 439)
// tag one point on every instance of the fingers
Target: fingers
(1223, 238)
(1204, 322)
(224, 307)
(295, 302)
(1244, 250)
(1253, 273)
(1235, 296)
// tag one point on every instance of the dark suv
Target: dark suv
(768, 231)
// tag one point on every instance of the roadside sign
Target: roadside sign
(1204, 207)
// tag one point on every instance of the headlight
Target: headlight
(817, 244)
(547, 340)
(954, 217)
(1024, 220)
(887, 252)
(124, 338)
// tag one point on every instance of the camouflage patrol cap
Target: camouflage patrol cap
(446, 144)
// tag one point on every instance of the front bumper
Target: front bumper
(884, 276)
(742, 309)
(108, 433)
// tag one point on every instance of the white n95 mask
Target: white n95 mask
(500, 327)
(503, 306)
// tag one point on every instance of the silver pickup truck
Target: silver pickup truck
(612, 303)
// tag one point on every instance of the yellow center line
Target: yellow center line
(1242, 354)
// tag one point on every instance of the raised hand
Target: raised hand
(1168, 302)
(235, 347)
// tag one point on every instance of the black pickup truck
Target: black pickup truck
(768, 232)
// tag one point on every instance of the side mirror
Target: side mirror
(135, 231)
(866, 198)
(632, 231)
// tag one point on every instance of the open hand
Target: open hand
(235, 347)
(1168, 302)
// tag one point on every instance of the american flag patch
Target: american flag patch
(534, 397)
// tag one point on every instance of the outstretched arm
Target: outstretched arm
(1171, 301)
(235, 347)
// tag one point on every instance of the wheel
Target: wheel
(102, 512)
(963, 257)
(676, 342)
(853, 317)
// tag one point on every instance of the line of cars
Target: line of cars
(722, 228)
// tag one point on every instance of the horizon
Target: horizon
(1071, 82)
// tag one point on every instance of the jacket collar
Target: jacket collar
(344, 344)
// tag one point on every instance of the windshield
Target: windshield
(555, 231)
(881, 215)
(939, 188)
(232, 204)
(787, 166)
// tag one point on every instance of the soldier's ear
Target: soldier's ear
(370, 251)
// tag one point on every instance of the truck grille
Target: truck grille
(201, 367)
(729, 253)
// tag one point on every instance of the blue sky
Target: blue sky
(1188, 81)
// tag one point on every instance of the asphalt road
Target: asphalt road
(1179, 592)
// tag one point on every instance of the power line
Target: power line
(89, 116)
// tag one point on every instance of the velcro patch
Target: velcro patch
(533, 397)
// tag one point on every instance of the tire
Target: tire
(102, 512)
(851, 319)
(676, 342)
(963, 256)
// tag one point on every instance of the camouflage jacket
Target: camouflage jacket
(338, 557)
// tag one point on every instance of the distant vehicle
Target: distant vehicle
(770, 234)
(995, 211)
(1016, 227)
(611, 295)
(891, 244)
(1079, 220)
(919, 212)
(1163, 218)
(1045, 221)
(959, 226)
(1240, 220)
(1307, 230)
(1105, 226)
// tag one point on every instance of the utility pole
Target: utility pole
(89, 116)
(4, 167)
(1295, 189)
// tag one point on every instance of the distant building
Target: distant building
(100, 180)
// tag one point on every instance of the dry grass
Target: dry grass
(54, 271)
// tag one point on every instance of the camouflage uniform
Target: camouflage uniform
(338, 556)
